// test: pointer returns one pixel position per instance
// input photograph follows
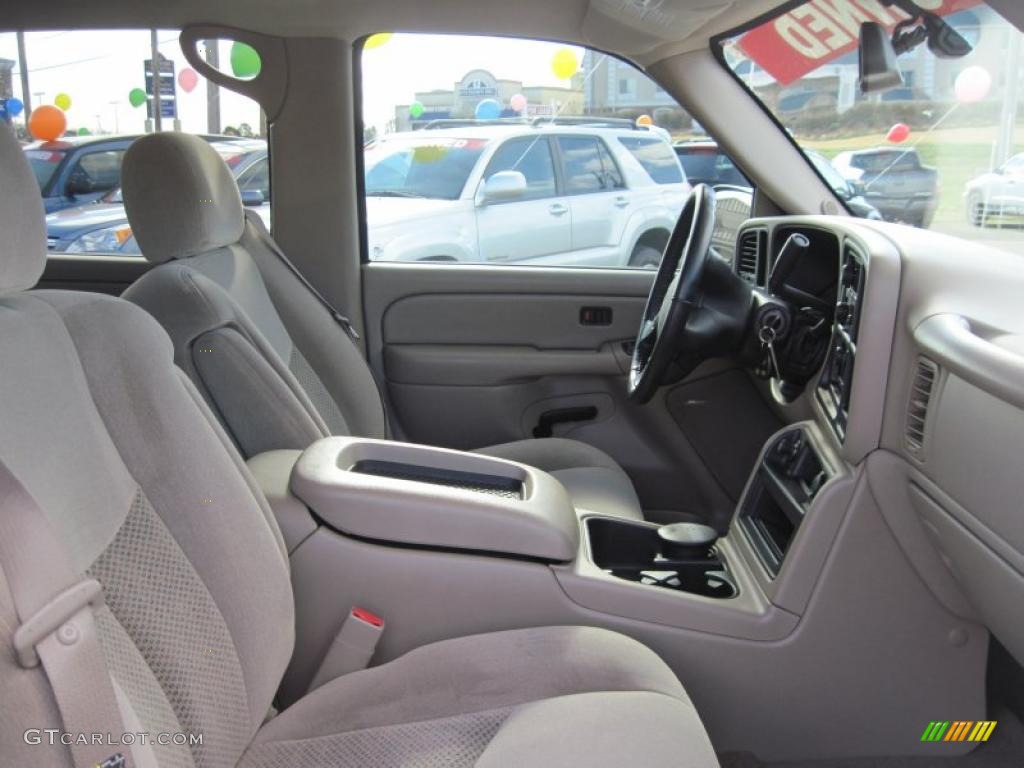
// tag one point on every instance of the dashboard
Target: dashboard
(918, 392)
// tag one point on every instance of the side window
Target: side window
(256, 179)
(85, 95)
(532, 158)
(96, 172)
(584, 170)
(589, 136)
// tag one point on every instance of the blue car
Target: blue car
(101, 226)
(77, 169)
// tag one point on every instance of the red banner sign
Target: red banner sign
(819, 31)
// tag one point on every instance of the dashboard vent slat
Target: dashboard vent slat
(750, 256)
(926, 375)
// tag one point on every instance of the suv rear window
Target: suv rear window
(656, 157)
(880, 161)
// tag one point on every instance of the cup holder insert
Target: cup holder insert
(632, 551)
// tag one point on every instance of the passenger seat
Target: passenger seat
(141, 491)
(269, 358)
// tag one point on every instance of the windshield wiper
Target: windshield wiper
(392, 193)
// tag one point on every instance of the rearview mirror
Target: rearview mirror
(878, 68)
(503, 186)
(252, 197)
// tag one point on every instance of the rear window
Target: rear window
(656, 157)
(43, 163)
(881, 161)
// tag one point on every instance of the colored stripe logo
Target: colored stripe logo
(958, 730)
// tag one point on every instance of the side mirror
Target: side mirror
(502, 187)
(252, 198)
(857, 188)
(878, 68)
(79, 184)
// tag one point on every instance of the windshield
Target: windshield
(928, 152)
(44, 163)
(421, 167)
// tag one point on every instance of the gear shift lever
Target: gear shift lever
(686, 541)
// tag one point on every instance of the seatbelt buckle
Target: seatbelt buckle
(353, 646)
(53, 617)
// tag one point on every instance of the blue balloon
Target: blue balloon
(14, 106)
(488, 109)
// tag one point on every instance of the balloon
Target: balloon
(644, 120)
(245, 61)
(136, 97)
(376, 41)
(188, 79)
(83, 131)
(898, 133)
(564, 63)
(63, 101)
(14, 106)
(971, 85)
(518, 102)
(415, 110)
(47, 123)
(488, 109)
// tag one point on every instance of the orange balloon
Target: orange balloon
(644, 120)
(47, 123)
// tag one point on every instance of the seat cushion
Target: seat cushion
(593, 479)
(552, 696)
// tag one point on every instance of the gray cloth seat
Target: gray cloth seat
(150, 498)
(275, 367)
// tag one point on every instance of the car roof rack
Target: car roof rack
(594, 122)
(467, 122)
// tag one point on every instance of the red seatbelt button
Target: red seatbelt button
(370, 618)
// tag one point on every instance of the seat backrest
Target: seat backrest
(273, 364)
(147, 496)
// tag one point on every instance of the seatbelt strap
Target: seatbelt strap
(264, 237)
(54, 606)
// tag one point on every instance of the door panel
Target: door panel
(524, 230)
(474, 355)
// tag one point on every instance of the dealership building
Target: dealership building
(477, 85)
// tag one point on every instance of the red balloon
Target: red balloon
(188, 79)
(47, 122)
(898, 133)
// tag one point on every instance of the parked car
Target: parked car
(894, 181)
(850, 192)
(77, 169)
(705, 163)
(996, 194)
(102, 225)
(580, 194)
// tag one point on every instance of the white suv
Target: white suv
(581, 194)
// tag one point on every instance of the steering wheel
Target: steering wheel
(676, 295)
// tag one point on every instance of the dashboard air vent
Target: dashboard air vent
(750, 256)
(925, 375)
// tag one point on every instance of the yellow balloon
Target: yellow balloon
(564, 64)
(63, 101)
(644, 120)
(376, 41)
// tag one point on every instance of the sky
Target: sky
(97, 69)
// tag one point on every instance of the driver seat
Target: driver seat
(276, 368)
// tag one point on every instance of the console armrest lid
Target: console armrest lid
(541, 523)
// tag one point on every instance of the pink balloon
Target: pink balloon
(971, 85)
(518, 102)
(898, 133)
(188, 79)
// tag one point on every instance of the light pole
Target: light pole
(23, 66)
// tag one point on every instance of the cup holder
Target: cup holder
(633, 551)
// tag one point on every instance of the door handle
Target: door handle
(558, 209)
(621, 202)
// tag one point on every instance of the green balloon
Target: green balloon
(83, 131)
(415, 110)
(245, 61)
(136, 97)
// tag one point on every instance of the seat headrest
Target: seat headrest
(180, 197)
(22, 218)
